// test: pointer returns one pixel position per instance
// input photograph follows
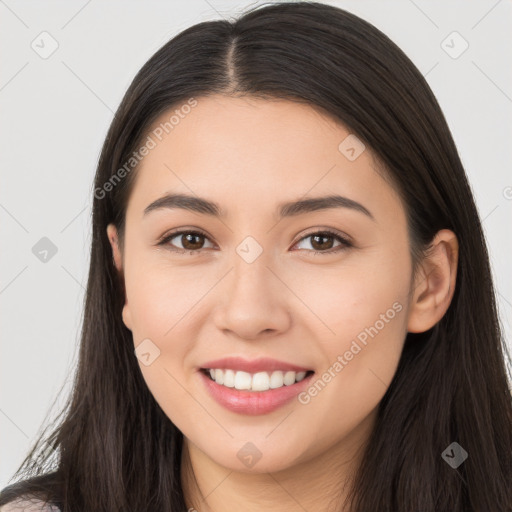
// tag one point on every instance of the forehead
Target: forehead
(252, 153)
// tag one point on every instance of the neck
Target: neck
(319, 483)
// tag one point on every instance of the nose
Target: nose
(254, 301)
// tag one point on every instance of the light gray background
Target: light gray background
(55, 113)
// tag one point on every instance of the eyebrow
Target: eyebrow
(288, 209)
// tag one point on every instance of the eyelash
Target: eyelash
(345, 243)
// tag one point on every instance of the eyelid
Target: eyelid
(331, 231)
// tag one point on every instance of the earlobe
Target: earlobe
(113, 239)
(117, 261)
(435, 284)
(127, 317)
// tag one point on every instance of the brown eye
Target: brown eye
(320, 242)
(323, 241)
(190, 241)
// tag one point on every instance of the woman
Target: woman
(289, 301)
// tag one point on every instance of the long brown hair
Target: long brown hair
(113, 449)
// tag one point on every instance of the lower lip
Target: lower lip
(253, 402)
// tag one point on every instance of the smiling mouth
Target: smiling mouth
(260, 381)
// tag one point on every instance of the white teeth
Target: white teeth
(242, 380)
(289, 378)
(261, 381)
(276, 380)
(229, 378)
(300, 376)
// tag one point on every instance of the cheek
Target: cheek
(161, 304)
(359, 364)
(344, 299)
(363, 310)
(160, 297)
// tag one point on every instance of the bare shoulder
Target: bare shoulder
(24, 505)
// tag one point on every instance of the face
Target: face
(252, 283)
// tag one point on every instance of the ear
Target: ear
(118, 262)
(435, 283)
(114, 242)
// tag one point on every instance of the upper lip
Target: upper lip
(254, 366)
